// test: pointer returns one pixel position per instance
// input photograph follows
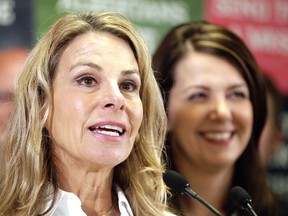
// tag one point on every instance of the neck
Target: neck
(93, 188)
(99, 204)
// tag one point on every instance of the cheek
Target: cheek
(72, 104)
(65, 112)
(137, 115)
(182, 119)
(78, 106)
(248, 117)
(246, 121)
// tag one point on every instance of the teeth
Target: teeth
(218, 136)
(110, 133)
(110, 127)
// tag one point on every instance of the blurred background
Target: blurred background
(262, 24)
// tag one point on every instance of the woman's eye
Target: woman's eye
(238, 94)
(86, 81)
(129, 86)
(197, 96)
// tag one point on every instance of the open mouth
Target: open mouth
(108, 130)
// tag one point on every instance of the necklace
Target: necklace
(108, 213)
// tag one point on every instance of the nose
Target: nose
(112, 98)
(221, 110)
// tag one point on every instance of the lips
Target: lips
(110, 130)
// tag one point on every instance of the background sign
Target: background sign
(263, 25)
(16, 26)
(153, 17)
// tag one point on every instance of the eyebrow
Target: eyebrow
(91, 65)
(240, 85)
(99, 68)
(129, 72)
(195, 87)
(203, 87)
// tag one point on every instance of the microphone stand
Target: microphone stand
(188, 191)
(249, 209)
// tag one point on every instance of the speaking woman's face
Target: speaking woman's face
(97, 110)
(210, 112)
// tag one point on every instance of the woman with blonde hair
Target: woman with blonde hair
(87, 131)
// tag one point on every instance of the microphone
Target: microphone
(242, 199)
(179, 185)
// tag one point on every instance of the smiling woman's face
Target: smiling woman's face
(97, 109)
(209, 111)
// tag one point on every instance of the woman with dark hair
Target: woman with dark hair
(216, 105)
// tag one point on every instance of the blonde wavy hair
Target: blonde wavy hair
(28, 175)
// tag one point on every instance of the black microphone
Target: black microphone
(242, 199)
(179, 185)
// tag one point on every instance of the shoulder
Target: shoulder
(124, 206)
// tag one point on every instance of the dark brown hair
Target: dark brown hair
(218, 41)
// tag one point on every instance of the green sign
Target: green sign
(152, 17)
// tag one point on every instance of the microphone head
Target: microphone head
(240, 197)
(176, 182)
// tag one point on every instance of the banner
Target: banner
(153, 18)
(263, 25)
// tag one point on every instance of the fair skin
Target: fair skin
(11, 62)
(211, 117)
(96, 114)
